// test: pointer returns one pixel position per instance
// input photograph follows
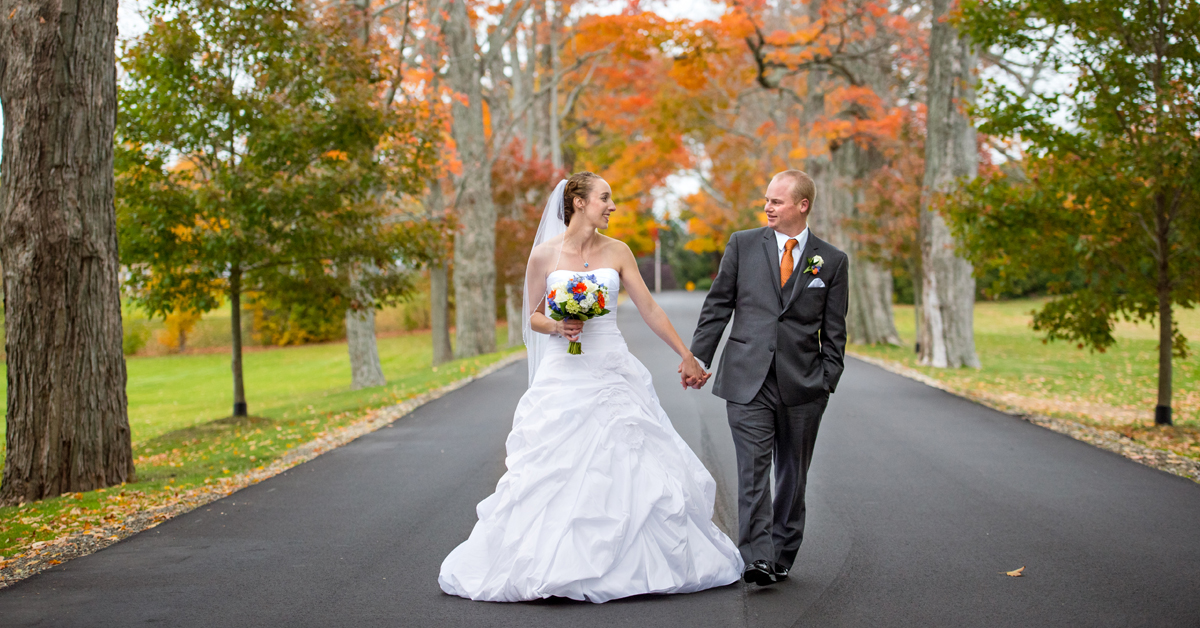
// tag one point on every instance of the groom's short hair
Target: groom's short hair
(802, 186)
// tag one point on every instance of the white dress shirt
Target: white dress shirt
(797, 253)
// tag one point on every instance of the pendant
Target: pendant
(585, 265)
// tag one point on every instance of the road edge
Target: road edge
(1161, 459)
(46, 554)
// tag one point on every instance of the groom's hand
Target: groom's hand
(691, 374)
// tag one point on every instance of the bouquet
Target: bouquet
(579, 298)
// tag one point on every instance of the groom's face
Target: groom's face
(783, 214)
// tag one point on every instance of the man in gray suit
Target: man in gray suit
(783, 359)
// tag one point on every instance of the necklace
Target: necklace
(582, 256)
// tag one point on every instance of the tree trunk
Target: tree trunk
(914, 273)
(531, 84)
(870, 318)
(556, 156)
(542, 105)
(1166, 323)
(475, 240)
(67, 421)
(435, 211)
(365, 369)
(948, 287)
(439, 284)
(235, 328)
(439, 312)
(512, 307)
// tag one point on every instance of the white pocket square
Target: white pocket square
(817, 283)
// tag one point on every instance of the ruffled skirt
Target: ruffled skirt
(602, 498)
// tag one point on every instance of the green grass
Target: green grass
(1115, 388)
(183, 437)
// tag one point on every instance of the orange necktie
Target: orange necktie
(786, 264)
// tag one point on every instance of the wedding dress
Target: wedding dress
(602, 498)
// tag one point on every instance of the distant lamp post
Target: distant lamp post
(657, 263)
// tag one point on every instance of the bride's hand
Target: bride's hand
(569, 329)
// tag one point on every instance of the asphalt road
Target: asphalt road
(918, 501)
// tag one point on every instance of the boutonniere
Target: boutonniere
(814, 264)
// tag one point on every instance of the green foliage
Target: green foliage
(281, 323)
(135, 334)
(687, 265)
(1105, 205)
(253, 150)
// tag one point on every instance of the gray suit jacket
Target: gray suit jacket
(802, 329)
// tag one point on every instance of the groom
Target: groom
(782, 360)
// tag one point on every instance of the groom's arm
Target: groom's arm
(718, 306)
(833, 327)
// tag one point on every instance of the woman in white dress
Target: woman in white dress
(602, 498)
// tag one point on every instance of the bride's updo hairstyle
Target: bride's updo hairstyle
(579, 186)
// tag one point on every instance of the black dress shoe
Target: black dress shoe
(781, 572)
(759, 572)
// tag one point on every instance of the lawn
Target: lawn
(182, 436)
(1116, 389)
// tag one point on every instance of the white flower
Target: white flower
(817, 260)
(561, 294)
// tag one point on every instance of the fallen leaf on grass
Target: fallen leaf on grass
(1016, 573)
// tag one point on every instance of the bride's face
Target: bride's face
(599, 206)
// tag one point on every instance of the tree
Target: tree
(365, 368)
(887, 225)
(435, 200)
(519, 189)
(475, 239)
(821, 85)
(947, 335)
(1109, 181)
(67, 422)
(286, 149)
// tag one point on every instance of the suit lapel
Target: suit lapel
(810, 249)
(771, 248)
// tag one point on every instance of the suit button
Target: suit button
(771, 348)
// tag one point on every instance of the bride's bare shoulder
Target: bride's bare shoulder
(545, 252)
(617, 251)
(614, 245)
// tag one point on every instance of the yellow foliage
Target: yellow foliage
(178, 324)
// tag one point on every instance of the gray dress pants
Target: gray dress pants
(764, 429)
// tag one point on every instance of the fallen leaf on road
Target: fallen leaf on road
(1016, 573)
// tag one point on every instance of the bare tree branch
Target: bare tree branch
(509, 20)
(390, 95)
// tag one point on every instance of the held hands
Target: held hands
(691, 374)
(569, 328)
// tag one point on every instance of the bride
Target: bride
(602, 498)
